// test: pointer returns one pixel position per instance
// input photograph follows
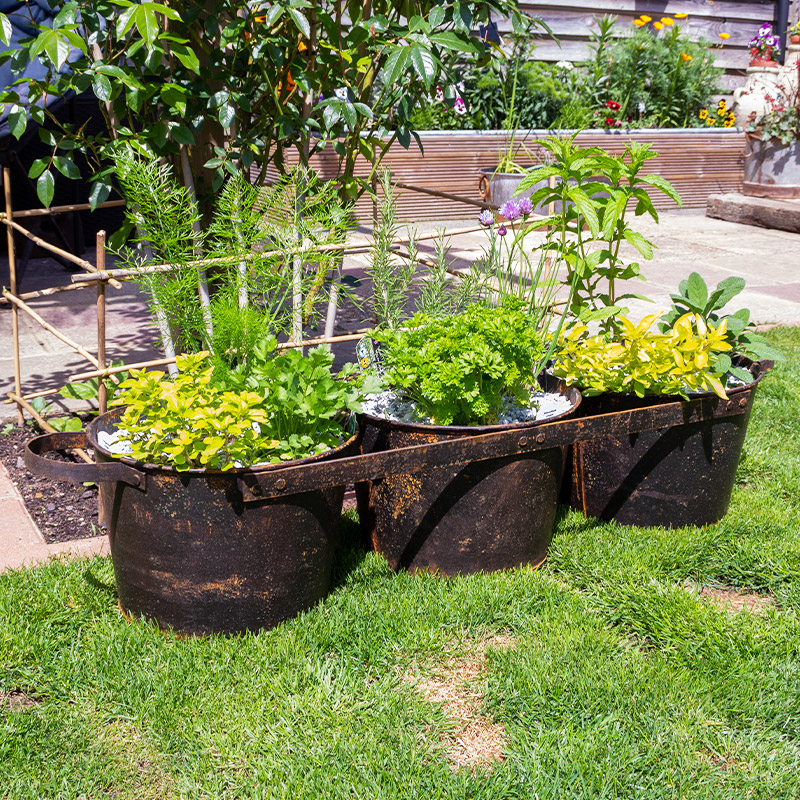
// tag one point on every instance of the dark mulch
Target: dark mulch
(63, 511)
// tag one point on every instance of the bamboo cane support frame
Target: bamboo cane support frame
(96, 275)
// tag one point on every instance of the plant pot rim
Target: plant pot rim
(551, 385)
(108, 420)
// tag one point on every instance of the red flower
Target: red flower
(613, 105)
(609, 120)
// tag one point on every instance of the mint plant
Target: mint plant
(464, 369)
(592, 194)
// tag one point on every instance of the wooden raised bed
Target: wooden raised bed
(698, 162)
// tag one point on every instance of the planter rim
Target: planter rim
(109, 419)
(557, 386)
(542, 132)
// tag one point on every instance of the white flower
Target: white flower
(565, 66)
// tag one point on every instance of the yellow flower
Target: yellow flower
(724, 36)
(645, 18)
(658, 26)
(686, 57)
(703, 113)
(722, 104)
(729, 123)
(721, 112)
(638, 23)
(667, 20)
(680, 16)
(710, 121)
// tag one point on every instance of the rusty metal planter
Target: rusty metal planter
(673, 476)
(467, 517)
(191, 552)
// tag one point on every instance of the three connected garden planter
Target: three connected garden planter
(208, 551)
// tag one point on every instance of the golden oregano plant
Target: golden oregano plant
(644, 362)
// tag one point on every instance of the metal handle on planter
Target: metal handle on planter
(76, 473)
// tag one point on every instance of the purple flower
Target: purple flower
(486, 218)
(765, 29)
(460, 106)
(753, 42)
(510, 210)
(501, 231)
(772, 40)
(525, 205)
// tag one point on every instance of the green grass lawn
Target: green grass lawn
(605, 673)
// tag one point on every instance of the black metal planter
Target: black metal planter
(466, 517)
(673, 476)
(197, 551)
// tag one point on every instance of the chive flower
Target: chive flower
(525, 206)
(486, 218)
(510, 210)
(501, 231)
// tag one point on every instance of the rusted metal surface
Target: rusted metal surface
(671, 476)
(471, 516)
(191, 555)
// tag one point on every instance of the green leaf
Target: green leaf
(726, 290)
(45, 188)
(696, 290)
(665, 186)
(424, 63)
(186, 56)
(17, 121)
(67, 167)
(395, 64)
(120, 74)
(99, 194)
(300, 20)
(101, 87)
(454, 41)
(435, 17)
(5, 30)
(639, 242)
(79, 391)
(585, 205)
(741, 373)
(38, 167)
(182, 134)
(226, 115)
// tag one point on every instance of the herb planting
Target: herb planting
(644, 362)
(283, 407)
(463, 370)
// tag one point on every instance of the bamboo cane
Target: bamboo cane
(216, 261)
(12, 272)
(45, 425)
(80, 262)
(50, 329)
(47, 292)
(163, 362)
(34, 395)
(54, 210)
(102, 392)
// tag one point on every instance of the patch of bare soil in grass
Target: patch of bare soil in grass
(457, 683)
(724, 762)
(17, 701)
(730, 600)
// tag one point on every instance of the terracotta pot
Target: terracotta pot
(763, 62)
(794, 39)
